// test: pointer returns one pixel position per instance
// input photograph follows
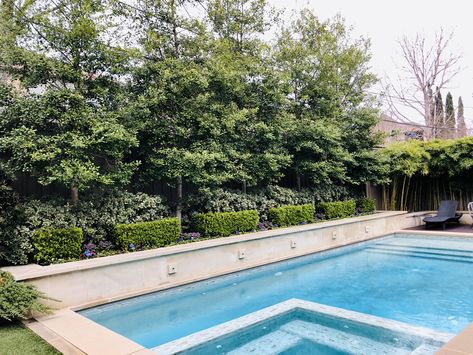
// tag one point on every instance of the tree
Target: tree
(325, 73)
(73, 44)
(205, 98)
(424, 66)
(14, 16)
(240, 21)
(449, 125)
(438, 117)
(178, 123)
(71, 132)
(242, 77)
(59, 138)
(461, 126)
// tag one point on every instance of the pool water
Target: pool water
(424, 281)
(305, 332)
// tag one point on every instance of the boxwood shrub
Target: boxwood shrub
(366, 205)
(338, 209)
(151, 234)
(223, 224)
(292, 215)
(53, 244)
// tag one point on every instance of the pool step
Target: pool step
(420, 254)
(425, 249)
(293, 333)
(273, 343)
(342, 340)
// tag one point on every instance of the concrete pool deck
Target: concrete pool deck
(97, 281)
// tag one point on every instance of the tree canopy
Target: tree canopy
(130, 92)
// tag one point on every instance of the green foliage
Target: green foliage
(223, 224)
(97, 214)
(262, 200)
(292, 215)
(51, 245)
(58, 138)
(420, 174)
(449, 113)
(147, 234)
(406, 158)
(15, 242)
(17, 299)
(337, 209)
(150, 91)
(366, 205)
(435, 157)
(330, 135)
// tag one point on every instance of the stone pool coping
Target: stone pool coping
(34, 271)
(74, 334)
(199, 338)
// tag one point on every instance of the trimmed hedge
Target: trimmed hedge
(147, 234)
(366, 205)
(223, 224)
(338, 209)
(51, 245)
(292, 215)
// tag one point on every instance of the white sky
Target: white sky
(384, 22)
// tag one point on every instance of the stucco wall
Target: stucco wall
(92, 282)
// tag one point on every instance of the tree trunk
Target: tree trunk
(244, 187)
(74, 194)
(298, 181)
(179, 198)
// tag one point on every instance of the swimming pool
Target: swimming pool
(424, 281)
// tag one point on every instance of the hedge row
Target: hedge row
(147, 234)
(51, 245)
(223, 224)
(292, 215)
(366, 205)
(338, 209)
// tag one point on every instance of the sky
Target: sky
(385, 22)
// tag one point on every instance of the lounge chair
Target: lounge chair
(447, 213)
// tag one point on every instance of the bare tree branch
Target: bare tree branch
(426, 70)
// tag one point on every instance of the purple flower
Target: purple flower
(131, 247)
(89, 251)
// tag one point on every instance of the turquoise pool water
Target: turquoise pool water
(304, 332)
(418, 280)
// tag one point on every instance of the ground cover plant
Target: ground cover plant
(18, 299)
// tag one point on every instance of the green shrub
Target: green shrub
(15, 242)
(338, 209)
(17, 299)
(366, 205)
(51, 245)
(223, 224)
(262, 200)
(292, 215)
(147, 234)
(97, 213)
